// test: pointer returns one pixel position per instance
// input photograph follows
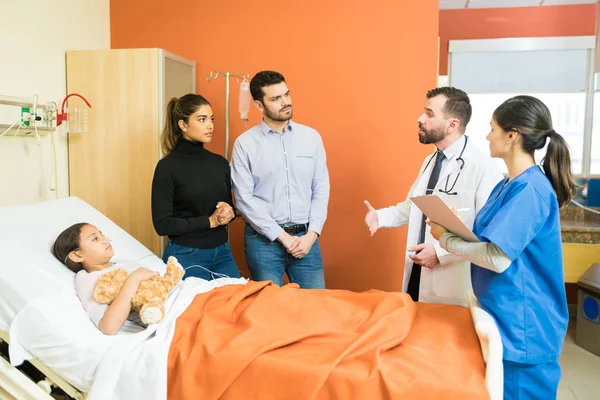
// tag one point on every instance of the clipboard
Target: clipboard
(437, 211)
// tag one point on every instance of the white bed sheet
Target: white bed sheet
(37, 287)
(135, 367)
(491, 348)
(27, 268)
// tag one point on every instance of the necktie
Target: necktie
(414, 281)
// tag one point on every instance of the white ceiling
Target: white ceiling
(459, 4)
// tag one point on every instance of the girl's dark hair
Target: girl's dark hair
(68, 241)
(179, 109)
(531, 118)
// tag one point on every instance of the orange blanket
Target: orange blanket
(260, 341)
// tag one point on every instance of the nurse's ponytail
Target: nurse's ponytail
(531, 118)
(557, 166)
(179, 109)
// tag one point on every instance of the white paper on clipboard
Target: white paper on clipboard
(437, 211)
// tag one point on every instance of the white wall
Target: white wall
(34, 36)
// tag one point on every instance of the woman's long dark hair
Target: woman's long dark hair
(179, 109)
(531, 118)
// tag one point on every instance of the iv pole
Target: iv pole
(240, 77)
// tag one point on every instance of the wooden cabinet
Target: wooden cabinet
(112, 164)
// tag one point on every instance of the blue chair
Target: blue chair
(593, 193)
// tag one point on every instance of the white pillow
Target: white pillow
(37, 225)
(37, 295)
(27, 267)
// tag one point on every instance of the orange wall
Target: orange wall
(493, 23)
(351, 70)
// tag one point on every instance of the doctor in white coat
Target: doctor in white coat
(466, 176)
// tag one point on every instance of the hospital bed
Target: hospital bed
(29, 274)
(43, 321)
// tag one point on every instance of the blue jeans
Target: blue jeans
(219, 260)
(530, 381)
(268, 261)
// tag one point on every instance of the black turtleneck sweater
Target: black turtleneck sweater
(188, 183)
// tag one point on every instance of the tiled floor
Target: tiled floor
(580, 371)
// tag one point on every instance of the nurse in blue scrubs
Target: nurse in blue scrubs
(517, 269)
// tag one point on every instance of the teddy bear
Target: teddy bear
(151, 294)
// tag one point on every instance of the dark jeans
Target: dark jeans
(268, 261)
(218, 261)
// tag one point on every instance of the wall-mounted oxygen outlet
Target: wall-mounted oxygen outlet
(25, 116)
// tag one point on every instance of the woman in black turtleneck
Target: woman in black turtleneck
(191, 192)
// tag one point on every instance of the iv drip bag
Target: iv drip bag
(244, 106)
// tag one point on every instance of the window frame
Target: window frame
(587, 43)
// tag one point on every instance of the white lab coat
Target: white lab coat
(449, 282)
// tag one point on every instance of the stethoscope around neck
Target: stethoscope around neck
(462, 165)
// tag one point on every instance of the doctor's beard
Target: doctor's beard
(431, 136)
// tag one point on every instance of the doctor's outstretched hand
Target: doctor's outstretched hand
(425, 255)
(371, 219)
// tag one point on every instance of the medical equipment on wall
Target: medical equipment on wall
(77, 118)
(41, 117)
(33, 120)
(244, 101)
(36, 120)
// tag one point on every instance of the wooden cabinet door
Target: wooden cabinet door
(112, 164)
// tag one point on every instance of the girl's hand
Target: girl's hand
(141, 274)
(436, 230)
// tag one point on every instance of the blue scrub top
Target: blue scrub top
(528, 299)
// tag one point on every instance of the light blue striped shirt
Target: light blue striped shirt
(280, 178)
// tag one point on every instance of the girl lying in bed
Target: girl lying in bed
(253, 340)
(87, 252)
